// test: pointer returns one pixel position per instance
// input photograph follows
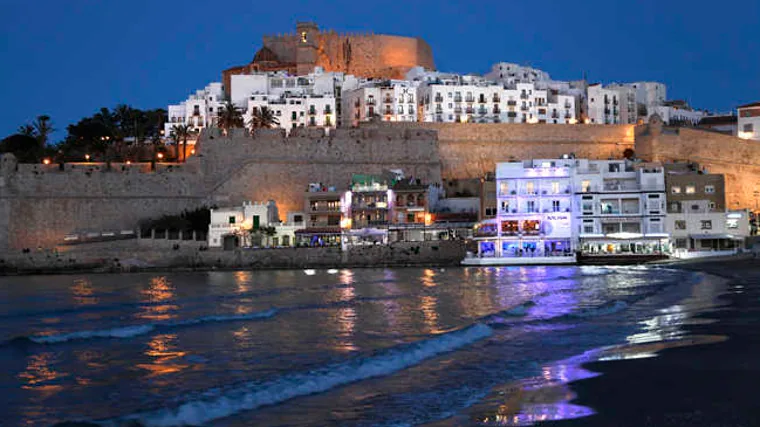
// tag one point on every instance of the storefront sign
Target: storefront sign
(557, 225)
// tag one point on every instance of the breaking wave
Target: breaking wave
(603, 310)
(220, 404)
(135, 330)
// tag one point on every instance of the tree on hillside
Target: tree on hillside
(27, 130)
(230, 116)
(43, 128)
(179, 134)
(262, 118)
(629, 154)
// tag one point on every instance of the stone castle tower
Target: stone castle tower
(364, 55)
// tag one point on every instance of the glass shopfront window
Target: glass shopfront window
(509, 228)
(531, 227)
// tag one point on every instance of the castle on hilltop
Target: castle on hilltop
(364, 55)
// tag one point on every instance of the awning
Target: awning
(318, 230)
(714, 237)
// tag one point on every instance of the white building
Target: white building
(611, 105)
(229, 226)
(292, 111)
(493, 103)
(678, 114)
(620, 208)
(534, 222)
(650, 95)
(198, 111)
(749, 121)
(510, 74)
(390, 100)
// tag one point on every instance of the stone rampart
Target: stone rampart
(737, 159)
(469, 150)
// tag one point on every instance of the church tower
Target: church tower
(306, 50)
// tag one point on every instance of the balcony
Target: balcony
(496, 110)
(568, 115)
(555, 115)
(327, 110)
(524, 108)
(496, 99)
(388, 100)
(568, 106)
(511, 114)
(482, 111)
(457, 98)
(469, 99)
(439, 110)
(606, 101)
(469, 110)
(523, 95)
(511, 103)
(371, 101)
(438, 99)
(312, 111)
(606, 111)
(458, 110)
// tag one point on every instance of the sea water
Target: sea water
(346, 347)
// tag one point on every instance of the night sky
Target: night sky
(67, 58)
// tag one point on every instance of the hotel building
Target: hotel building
(620, 208)
(534, 218)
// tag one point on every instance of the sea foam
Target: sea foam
(254, 395)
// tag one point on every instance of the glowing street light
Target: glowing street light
(160, 156)
(87, 157)
(46, 161)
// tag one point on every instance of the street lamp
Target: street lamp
(160, 156)
(87, 157)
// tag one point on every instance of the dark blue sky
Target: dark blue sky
(67, 58)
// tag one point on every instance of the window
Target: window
(555, 187)
(588, 226)
(709, 189)
(505, 206)
(675, 189)
(681, 243)
(555, 205)
(503, 188)
(610, 228)
(732, 223)
(232, 220)
(530, 187)
(614, 167)
(706, 225)
(297, 218)
(712, 205)
(680, 224)
(690, 189)
(531, 206)
(585, 186)
(748, 128)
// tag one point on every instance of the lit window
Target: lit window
(303, 37)
(709, 189)
(503, 188)
(530, 187)
(675, 190)
(690, 189)
(585, 186)
(555, 187)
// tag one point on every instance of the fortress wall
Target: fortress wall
(737, 159)
(469, 150)
(270, 166)
(39, 204)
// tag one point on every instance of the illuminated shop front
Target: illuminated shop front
(625, 244)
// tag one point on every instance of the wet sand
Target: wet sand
(716, 384)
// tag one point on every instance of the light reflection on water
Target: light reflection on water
(331, 318)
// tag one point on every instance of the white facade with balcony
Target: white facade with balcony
(292, 111)
(509, 73)
(197, 111)
(493, 103)
(391, 101)
(620, 208)
(534, 221)
(611, 105)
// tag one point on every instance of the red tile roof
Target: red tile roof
(754, 104)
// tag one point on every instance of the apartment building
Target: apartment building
(198, 111)
(749, 121)
(611, 105)
(390, 101)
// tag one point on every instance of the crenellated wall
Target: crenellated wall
(40, 204)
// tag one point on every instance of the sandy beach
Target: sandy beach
(702, 385)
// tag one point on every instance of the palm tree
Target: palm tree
(230, 116)
(27, 130)
(262, 118)
(180, 133)
(44, 128)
